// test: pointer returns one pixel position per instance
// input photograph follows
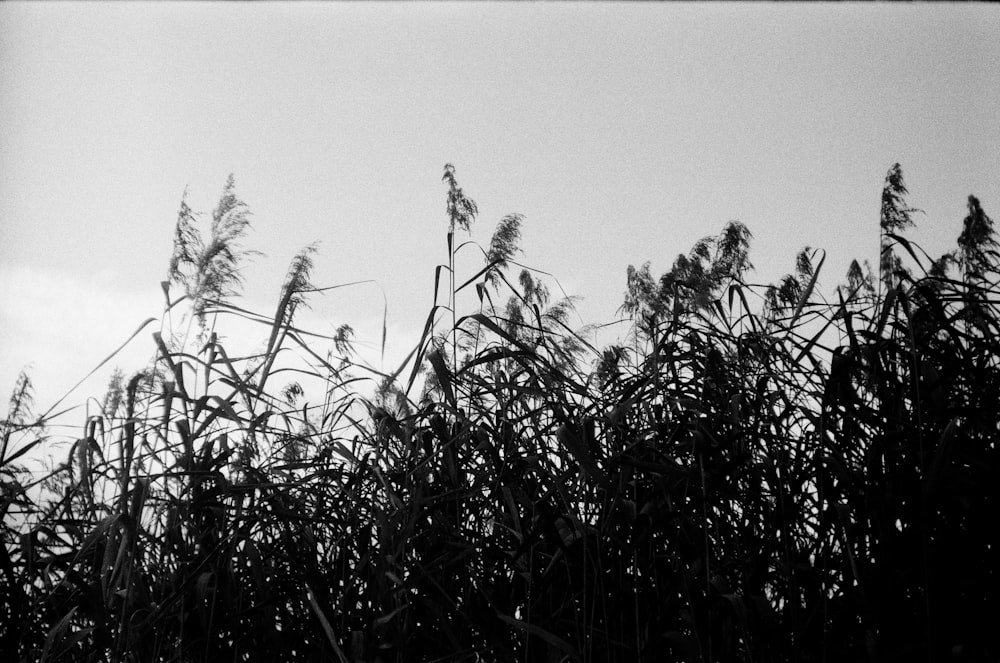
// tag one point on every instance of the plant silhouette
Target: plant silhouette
(754, 474)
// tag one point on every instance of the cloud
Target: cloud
(60, 327)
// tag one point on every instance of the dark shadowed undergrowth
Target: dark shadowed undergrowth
(752, 474)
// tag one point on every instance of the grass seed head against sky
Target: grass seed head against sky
(623, 133)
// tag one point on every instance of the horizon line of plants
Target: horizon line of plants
(752, 474)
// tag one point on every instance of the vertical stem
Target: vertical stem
(708, 558)
(453, 296)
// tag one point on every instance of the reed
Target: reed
(756, 473)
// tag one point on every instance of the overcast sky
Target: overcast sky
(623, 133)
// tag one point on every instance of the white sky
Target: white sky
(623, 133)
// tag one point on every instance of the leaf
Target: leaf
(443, 376)
(98, 367)
(325, 623)
(385, 317)
(56, 634)
(419, 348)
(807, 291)
(571, 435)
(385, 619)
(20, 452)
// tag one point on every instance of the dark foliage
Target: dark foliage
(793, 480)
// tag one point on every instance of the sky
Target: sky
(622, 132)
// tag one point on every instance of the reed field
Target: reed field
(751, 473)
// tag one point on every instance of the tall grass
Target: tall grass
(754, 474)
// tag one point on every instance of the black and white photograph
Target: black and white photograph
(528, 332)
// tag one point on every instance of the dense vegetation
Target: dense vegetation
(753, 474)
